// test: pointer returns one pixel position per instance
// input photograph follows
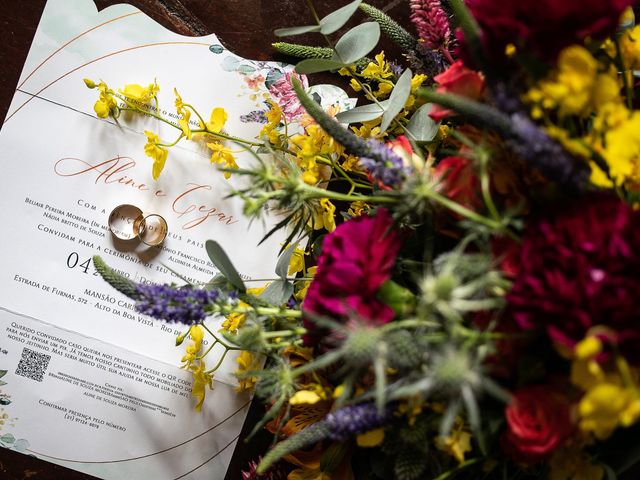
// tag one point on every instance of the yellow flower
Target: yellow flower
(296, 264)
(622, 152)
(184, 115)
(196, 332)
(355, 85)
(274, 118)
(416, 81)
(140, 94)
(217, 120)
(607, 406)
(379, 69)
(222, 154)
(324, 216)
(236, 320)
(372, 438)
(308, 397)
(630, 48)
(106, 103)
(201, 380)
(457, 443)
(384, 89)
(576, 88)
(357, 208)
(158, 153)
(300, 294)
(246, 363)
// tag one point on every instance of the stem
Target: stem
(228, 347)
(200, 357)
(217, 366)
(284, 333)
(454, 471)
(315, 192)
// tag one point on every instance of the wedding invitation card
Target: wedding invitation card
(87, 382)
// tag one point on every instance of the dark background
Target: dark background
(244, 27)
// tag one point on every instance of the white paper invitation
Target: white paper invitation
(88, 382)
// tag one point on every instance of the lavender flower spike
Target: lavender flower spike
(184, 305)
(338, 426)
(383, 164)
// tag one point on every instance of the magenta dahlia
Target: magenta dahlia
(356, 259)
(579, 267)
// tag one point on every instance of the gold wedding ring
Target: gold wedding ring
(153, 229)
(124, 221)
(128, 222)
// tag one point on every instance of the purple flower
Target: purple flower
(283, 93)
(387, 167)
(354, 420)
(174, 305)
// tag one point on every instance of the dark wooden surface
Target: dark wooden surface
(243, 26)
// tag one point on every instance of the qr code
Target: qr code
(33, 365)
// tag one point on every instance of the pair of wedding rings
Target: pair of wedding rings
(128, 222)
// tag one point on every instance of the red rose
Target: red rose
(459, 80)
(538, 422)
(458, 181)
(544, 27)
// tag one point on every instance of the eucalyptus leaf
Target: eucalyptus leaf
(278, 292)
(21, 445)
(291, 31)
(7, 438)
(282, 267)
(357, 42)
(421, 126)
(315, 65)
(2, 383)
(363, 113)
(335, 20)
(397, 100)
(223, 264)
(3, 373)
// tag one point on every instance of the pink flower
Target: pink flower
(357, 258)
(431, 23)
(284, 95)
(459, 80)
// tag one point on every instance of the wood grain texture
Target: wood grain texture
(244, 27)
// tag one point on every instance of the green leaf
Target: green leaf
(291, 31)
(422, 126)
(363, 113)
(357, 42)
(3, 373)
(21, 445)
(397, 100)
(282, 267)
(335, 20)
(7, 438)
(223, 264)
(2, 383)
(315, 65)
(278, 292)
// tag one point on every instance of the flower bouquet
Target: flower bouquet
(456, 297)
